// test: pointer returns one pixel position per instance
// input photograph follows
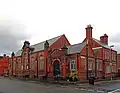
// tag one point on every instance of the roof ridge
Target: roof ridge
(47, 39)
(40, 44)
(102, 44)
(77, 44)
(76, 48)
(100, 41)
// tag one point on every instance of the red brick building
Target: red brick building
(3, 64)
(118, 63)
(57, 53)
(105, 56)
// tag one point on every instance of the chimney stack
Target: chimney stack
(89, 31)
(104, 39)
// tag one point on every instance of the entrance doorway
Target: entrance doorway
(56, 67)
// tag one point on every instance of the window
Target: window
(32, 63)
(41, 63)
(83, 62)
(107, 55)
(107, 69)
(22, 67)
(14, 65)
(100, 66)
(97, 65)
(19, 65)
(72, 65)
(25, 63)
(90, 64)
(27, 67)
(114, 68)
(114, 57)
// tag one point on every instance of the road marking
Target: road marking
(76, 88)
(90, 90)
(83, 89)
(32, 81)
(80, 84)
(100, 91)
(117, 90)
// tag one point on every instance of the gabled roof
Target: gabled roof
(77, 48)
(40, 46)
(102, 44)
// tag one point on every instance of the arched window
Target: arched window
(14, 65)
(32, 63)
(41, 62)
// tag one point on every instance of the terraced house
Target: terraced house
(42, 59)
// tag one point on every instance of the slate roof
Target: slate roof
(102, 44)
(40, 46)
(77, 48)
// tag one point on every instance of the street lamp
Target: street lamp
(111, 59)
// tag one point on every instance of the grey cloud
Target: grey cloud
(11, 35)
(115, 38)
(116, 46)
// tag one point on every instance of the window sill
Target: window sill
(100, 70)
(72, 69)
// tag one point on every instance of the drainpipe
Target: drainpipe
(111, 59)
(87, 60)
(95, 67)
(37, 65)
(29, 61)
(12, 65)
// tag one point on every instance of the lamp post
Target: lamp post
(111, 59)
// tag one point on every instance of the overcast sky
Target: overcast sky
(38, 20)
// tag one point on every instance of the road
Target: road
(16, 86)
